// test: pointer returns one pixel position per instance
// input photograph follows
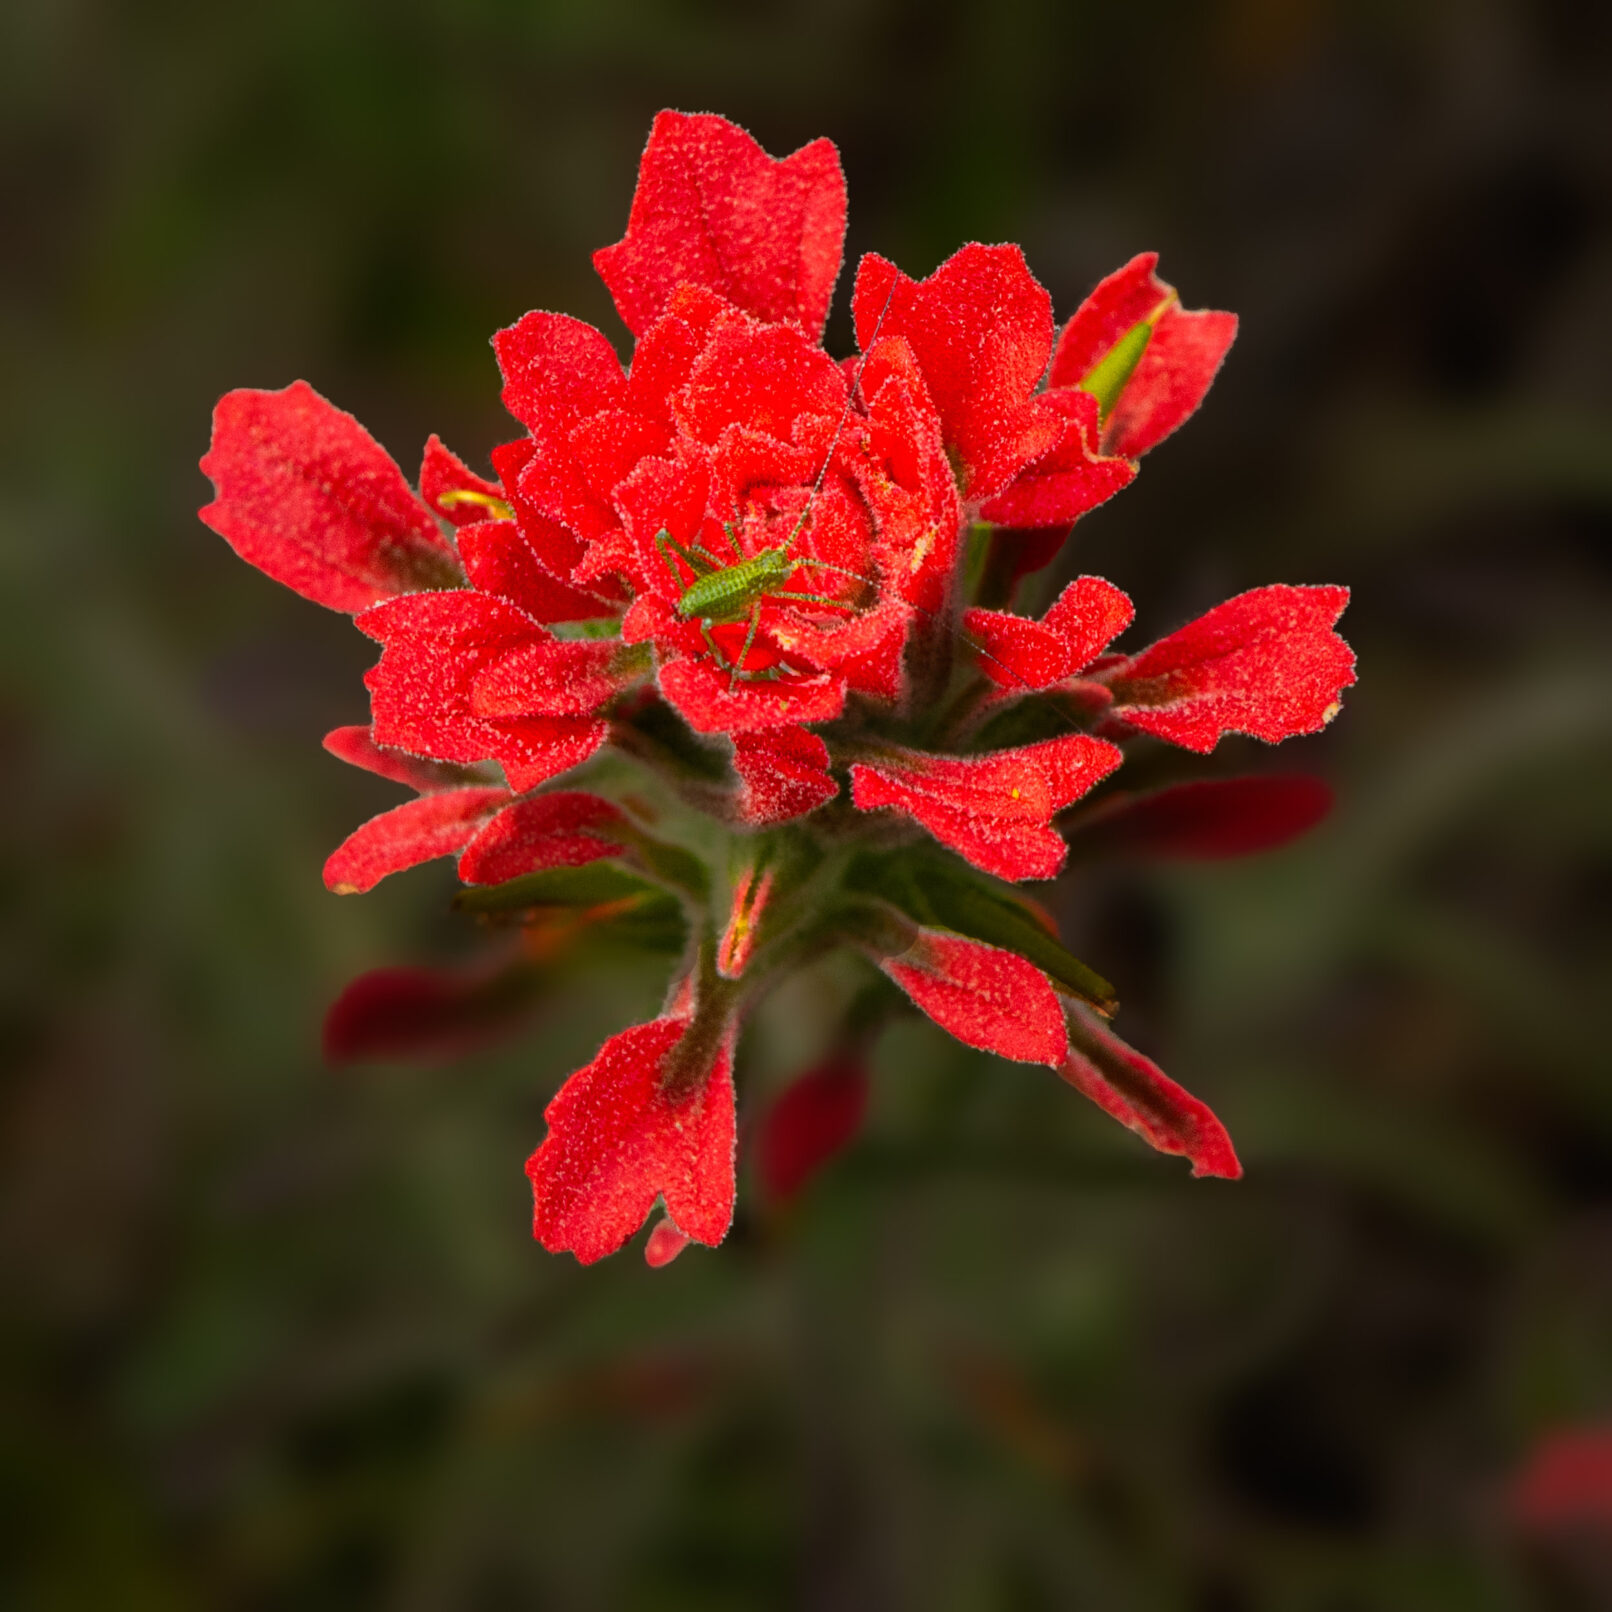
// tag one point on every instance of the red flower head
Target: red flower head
(731, 568)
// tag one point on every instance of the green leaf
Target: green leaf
(943, 893)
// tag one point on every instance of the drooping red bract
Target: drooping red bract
(1136, 1092)
(622, 1134)
(996, 810)
(307, 495)
(986, 997)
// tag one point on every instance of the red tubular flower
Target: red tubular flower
(810, 1121)
(307, 495)
(735, 536)
(1265, 663)
(1184, 352)
(1136, 1092)
(995, 810)
(630, 1127)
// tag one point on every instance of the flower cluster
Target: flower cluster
(757, 600)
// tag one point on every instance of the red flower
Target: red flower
(736, 537)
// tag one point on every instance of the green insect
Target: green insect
(725, 593)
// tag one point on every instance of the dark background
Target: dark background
(273, 1335)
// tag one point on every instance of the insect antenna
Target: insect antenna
(845, 414)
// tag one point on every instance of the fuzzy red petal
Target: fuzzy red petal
(559, 830)
(712, 208)
(1079, 624)
(996, 810)
(619, 1137)
(784, 772)
(418, 830)
(422, 692)
(499, 560)
(712, 702)
(557, 371)
(1266, 663)
(1182, 356)
(357, 747)
(565, 677)
(1136, 1092)
(308, 496)
(763, 378)
(986, 997)
(442, 472)
(982, 330)
(1209, 818)
(810, 1121)
(1070, 478)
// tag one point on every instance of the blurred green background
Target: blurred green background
(275, 1336)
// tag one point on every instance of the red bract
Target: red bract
(630, 1128)
(562, 830)
(306, 494)
(1212, 818)
(809, 1122)
(986, 997)
(1184, 351)
(1266, 663)
(428, 1015)
(1136, 1092)
(1076, 628)
(784, 772)
(418, 831)
(714, 209)
(996, 810)
(737, 563)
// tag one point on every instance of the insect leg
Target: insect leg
(722, 662)
(668, 545)
(749, 639)
(815, 598)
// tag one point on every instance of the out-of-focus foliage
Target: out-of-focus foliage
(274, 1335)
